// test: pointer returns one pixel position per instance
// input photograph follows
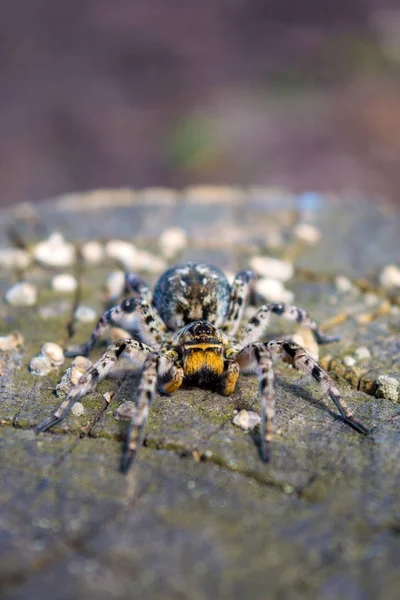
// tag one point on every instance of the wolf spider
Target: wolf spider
(190, 333)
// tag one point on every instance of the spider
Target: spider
(190, 333)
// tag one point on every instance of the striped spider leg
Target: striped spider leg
(153, 365)
(132, 311)
(257, 325)
(262, 354)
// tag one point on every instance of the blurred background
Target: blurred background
(100, 93)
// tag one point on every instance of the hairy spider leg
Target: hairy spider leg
(147, 389)
(291, 351)
(135, 351)
(257, 325)
(247, 358)
(132, 310)
(239, 294)
(262, 354)
(136, 285)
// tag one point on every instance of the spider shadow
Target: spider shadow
(299, 392)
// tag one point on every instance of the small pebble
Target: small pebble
(117, 333)
(78, 409)
(54, 353)
(272, 268)
(21, 294)
(349, 361)
(92, 253)
(247, 419)
(40, 365)
(125, 252)
(150, 263)
(55, 251)
(306, 340)
(108, 396)
(54, 310)
(172, 241)
(387, 387)
(274, 291)
(274, 239)
(390, 277)
(371, 299)
(115, 283)
(125, 411)
(14, 258)
(11, 341)
(85, 314)
(79, 365)
(64, 283)
(343, 284)
(362, 353)
(307, 233)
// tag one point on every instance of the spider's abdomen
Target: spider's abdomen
(190, 292)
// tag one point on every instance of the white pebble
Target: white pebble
(78, 409)
(40, 365)
(11, 341)
(387, 387)
(272, 267)
(85, 314)
(274, 291)
(125, 411)
(78, 369)
(343, 284)
(306, 340)
(117, 333)
(349, 361)
(150, 263)
(307, 233)
(172, 241)
(247, 419)
(371, 299)
(362, 352)
(79, 365)
(21, 294)
(92, 252)
(115, 283)
(54, 251)
(390, 277)
(274, 239)
(64, 283)
(54, 353)
(14, 258)
(125, 252)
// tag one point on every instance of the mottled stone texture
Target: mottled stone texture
(200, 516)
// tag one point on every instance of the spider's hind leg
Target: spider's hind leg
(298, 357)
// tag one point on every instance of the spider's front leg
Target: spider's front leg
(257, 325)
(125, 314)
(155, 365)
(259, 355)
(135, 351)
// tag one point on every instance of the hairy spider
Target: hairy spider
(190, 333)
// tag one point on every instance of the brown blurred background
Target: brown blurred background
(99, 93)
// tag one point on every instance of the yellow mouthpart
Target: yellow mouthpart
(203, 357)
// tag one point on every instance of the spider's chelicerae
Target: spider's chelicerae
(190, 333)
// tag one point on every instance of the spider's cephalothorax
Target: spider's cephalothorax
(190, 332)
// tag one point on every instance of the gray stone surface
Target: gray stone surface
(200, 516)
